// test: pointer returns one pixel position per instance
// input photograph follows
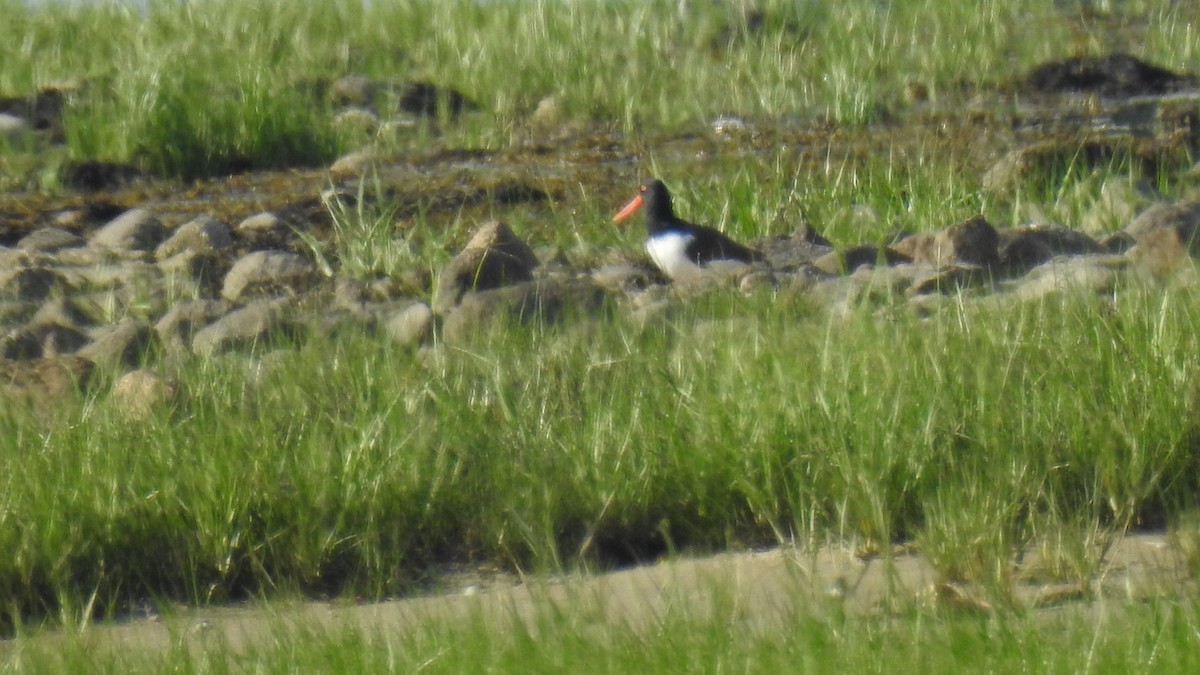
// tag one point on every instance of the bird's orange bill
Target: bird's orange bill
(629, 209)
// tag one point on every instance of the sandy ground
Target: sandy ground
(761, 588)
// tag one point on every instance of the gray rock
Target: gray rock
(716, 274)
(196, 267)
(90, 256)
(623, 277)
(257, 323)
(847, 260)
(44, 384)
(138, 394)
(1166, 236)
(355, 163)
(410, 326)
(356, 120)
(1183, 216)
(535, 301)
(42, 341)
(260, 223)
(177, 327)
(127, 275)
(15, 312)
(202, 235)
(49, 240)
(64, 312)
(1023, 248)
(268, 273)
(30, 283)
(124, 344)
(355, 90)
(134, 230)
(14, 129)
(494, 257)
(793, 251)
(1094, 274)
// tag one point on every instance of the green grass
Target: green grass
(572, 636)
(356, 467)
(219, 85)
(346, 465)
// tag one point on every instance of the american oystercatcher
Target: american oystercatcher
(677, 246)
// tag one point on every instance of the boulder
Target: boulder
(124, 344)
(494, 257)
(202, 235)
(134, 230)
(42, 341)
(260, 322)
(535, 301)
(1023, 248)
(136, 395)
(268, 273)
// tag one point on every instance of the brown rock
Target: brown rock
(43, 384)
(494, 257)
(42, 341)
(845, 261)
(139, 393)
(546, 301)
(1023, 248)
(973, 241)
(124, 344)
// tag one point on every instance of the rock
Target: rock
(845, 261)
(43, 385)
(624, 277)
(694, 281)
(202, 235)
(49, 240)
(30, 283)
(258, 323)
(176, 328)
(125, 344)
(1113, 75)
(545, 301)
(356, 163)
(410, 326)
(134, 230)
(1162, 251)
(14, 130)
(1182, 216)
(356, 90)
(971, 242)
(42, 341)
(547, 114)
(359, 121)
(63, 311)
(268, 272)
(494, 257)
(945, 280)
(136, 395)
(429, 100)
(1166, 236)
(1090, 274)
(1023, 248)
(265, 222)
(794, 251)
(201, 268)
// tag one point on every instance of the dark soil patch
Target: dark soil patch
(1111, 75)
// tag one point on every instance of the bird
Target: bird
(677, 247)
